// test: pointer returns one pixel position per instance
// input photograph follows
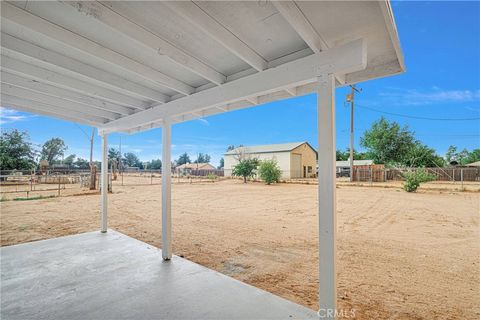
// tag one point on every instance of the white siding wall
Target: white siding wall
(282, 158)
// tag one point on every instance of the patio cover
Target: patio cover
(127, 66)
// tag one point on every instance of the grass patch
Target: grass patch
(33, 198)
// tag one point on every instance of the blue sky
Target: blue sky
(441, 45)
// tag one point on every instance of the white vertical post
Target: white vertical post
(166, 192)
(104, 183)
(326, 196)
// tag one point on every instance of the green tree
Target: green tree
(132, 160)
(81, 164)
(463, 157)
(222, 163)
(473, 156)
(245, 168)
(390, 144)
(202, 158)
(155, 164)
(183, 159)
(69, 160)
(114, 154)
(342, 155)
(269, 171)
(345, 155)
(387, 142)
(450, 155)
(53, 149)
(231, 147)
(16, 152)
(420, 155)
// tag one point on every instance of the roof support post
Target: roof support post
(104, 183)
(326, 195)
(166, 191)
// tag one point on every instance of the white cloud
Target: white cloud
(10, 116)
(204, 121)
(436, 95)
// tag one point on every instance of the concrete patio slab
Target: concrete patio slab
(112, 276)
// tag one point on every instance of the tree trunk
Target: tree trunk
(244, 179)
(93, 178)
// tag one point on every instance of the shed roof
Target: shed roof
(200, 166)
(268, 148)
(130, 66)
(355, 163)
(473, 164)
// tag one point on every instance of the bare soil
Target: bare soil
(400, 255)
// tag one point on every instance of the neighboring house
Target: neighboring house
(187, 168)
(473, 164)
(343, 167)
(295, 159)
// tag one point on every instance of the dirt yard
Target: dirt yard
(400, 255)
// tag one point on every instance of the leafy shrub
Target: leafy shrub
(413, 179)
(211, 176)
(245, 168)
(269, 171)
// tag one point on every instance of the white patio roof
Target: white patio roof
(129, 66)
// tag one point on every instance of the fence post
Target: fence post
(151, 178)
(461, 177)
(59, 187)
(122, 178)
(453, 174)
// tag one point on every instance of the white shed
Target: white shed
(295, 159)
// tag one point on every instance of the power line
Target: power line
(88, 137)
(417, 117)
(452, 135)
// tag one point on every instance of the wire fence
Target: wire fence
(26, 184)
(31, 184)
(453, 174)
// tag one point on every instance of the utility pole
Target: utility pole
(351, 99)
(120, 164)
(93, 171)
(91, 148)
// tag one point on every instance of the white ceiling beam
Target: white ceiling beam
(54, 101)
(35, 107)
(24, 19)
(252, 100)
(122, 25)
(33, 72)
(343, 59)
(295, 17)
(291, 91)
(71, 67)
(38, 86)
(271, 64)
(195, 15)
